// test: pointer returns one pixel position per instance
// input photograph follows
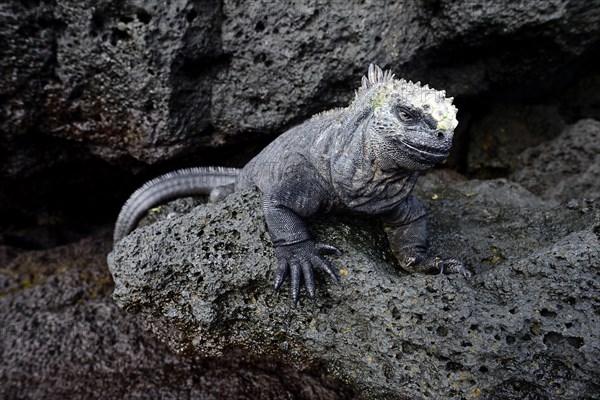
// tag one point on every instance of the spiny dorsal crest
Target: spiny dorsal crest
(375, 75)
(428, 100)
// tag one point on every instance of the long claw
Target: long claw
(295, 277)
(455, 266)
(280, 275)
(410, 262)
(327, 267)
(442, 265)
(309, 282)
(327, 249)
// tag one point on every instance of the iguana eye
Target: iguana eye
(405, 115)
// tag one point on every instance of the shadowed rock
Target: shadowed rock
(568, 165)
(62, 336)
(526, 324)
(504, 133)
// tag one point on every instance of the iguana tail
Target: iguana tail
(180, 183)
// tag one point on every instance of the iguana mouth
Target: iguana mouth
(428, 151)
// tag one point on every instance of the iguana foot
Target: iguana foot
(454, 266)
(301, 259)
(429, 264)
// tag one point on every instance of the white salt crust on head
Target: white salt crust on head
(426, 99)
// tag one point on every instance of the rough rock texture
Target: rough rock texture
(109, 73)
(566, 167)
(286, 59)
(526, 326)
(62, 336)
(151, 79)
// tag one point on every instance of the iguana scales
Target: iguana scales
(363, 159)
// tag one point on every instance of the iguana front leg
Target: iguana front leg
(406, 229)
(285, 206)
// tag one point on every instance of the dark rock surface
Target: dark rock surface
(566, 167)
(62, 336)
(526, 326)
(121, 78)
(319, 51)
(151, 80)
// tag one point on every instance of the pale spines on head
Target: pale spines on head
(381, 88)
(374, 76)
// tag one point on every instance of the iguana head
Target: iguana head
(411, 125)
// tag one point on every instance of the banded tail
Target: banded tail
(179, 183)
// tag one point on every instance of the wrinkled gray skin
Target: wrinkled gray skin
(349, 160)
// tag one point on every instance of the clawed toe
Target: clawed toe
(298, 262)
(323, 248)
(455, 266)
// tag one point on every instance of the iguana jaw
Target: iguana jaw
(429, 155)
(413, 149)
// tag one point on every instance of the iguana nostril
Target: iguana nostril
(440, 135)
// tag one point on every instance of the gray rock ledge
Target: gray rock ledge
(528, 324)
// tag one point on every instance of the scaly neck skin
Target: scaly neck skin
(350, 164)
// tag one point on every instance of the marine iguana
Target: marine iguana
(363, 159)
